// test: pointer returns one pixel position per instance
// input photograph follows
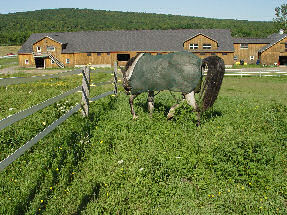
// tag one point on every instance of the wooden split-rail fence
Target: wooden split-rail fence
(84, 105)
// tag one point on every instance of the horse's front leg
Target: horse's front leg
(150, 101)
(171, 112)
(190, 99)
(131, 101)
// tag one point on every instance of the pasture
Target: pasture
(8, 62)
(233, 163)
(4, 50)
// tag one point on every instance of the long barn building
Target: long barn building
(103, 48)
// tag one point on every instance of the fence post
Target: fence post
(115, 78)
(241, 73)
(85, 91)
(260, 75)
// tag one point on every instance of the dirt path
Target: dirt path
(15, 69)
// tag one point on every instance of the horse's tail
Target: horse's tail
(212, 82)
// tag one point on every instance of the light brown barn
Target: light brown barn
(103, 48)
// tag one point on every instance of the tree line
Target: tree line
(15, 28)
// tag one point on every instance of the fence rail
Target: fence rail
(85, 88)
(263, 73)
(22, 80)
(25, 113)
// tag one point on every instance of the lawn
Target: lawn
(252, 66)
(8, 62)
(233, 163)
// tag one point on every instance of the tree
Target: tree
(281, 17)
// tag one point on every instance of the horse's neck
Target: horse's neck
(130, 70)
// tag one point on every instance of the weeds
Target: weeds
(233, 163)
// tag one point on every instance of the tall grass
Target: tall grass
(233, 163)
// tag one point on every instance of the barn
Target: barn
(103, 48)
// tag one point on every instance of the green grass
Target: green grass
(8, 62)
(233, 163)
(249, 66)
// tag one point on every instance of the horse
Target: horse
(177, 72)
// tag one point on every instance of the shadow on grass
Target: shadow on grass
(209, 115)
(93, 195)
(75, 140)
(159, 107)
(23, 206)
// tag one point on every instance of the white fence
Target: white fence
(258, 73)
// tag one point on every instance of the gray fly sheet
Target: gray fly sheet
(179, 72)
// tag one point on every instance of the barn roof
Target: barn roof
(202, 35)
(55, 38)
(252, 40)
(135, 40)
(274, 38)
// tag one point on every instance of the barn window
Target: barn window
(213, 53)
(89, 54)
(51, 48)
(202, 53)
(206, 46)
(67, 61)
(123, 57)
(99, 54)
(193, 46)
(159, 54)
(52, 61)
(235, 58)
(26, 61)
(38, 49)
(251, 57)
(244, 45)
(108, 53)
(224, 53)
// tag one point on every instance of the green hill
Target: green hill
(15, 28)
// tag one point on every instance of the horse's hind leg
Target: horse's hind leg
(150, 101)
(190, 99)
(131, 101)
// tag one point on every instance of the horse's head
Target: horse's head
(125, 81)
(126, 73)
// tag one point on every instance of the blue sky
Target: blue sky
(255, 10)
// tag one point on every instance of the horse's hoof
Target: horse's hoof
(169, 116)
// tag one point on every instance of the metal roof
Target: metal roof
(135, 40)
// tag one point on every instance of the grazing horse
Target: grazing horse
(178, 72)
